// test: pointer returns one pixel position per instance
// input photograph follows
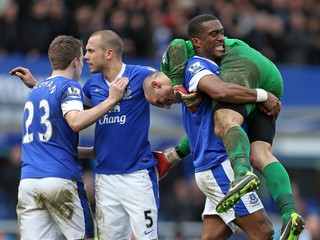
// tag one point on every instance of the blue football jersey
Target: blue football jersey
(121, 136)
(207, 149)
(49, 145)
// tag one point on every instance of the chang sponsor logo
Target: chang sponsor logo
(111, 118)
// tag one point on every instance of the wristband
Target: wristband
(172, 156)
(262, 95)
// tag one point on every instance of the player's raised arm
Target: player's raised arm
(25, 75)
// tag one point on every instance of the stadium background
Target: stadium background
(287, 32)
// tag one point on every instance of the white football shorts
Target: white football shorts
(126, 202)
(213, 183)
(47, 204)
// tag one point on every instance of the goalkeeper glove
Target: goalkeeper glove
(166, 161)
(191, 100)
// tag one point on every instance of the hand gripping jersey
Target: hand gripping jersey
(49, 145)
(207, 149)
(121, 136)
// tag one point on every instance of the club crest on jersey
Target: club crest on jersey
(253, 199)
(74, 92)
(116, 108)
(195, 68)
(127, 93)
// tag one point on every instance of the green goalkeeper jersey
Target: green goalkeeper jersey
(174, 60)
(245, 66)
(240, 64)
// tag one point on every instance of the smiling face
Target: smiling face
(210, 43)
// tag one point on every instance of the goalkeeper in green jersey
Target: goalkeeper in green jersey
(245, 66)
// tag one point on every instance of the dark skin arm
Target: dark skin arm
(233, 93)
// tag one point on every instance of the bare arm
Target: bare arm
(79, 120)
(25, 75)
(233, 93)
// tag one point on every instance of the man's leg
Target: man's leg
(256, 225)
(215, 228)
(228, 126)
(261, 133)
(278, 182)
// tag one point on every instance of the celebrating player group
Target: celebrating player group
(230, 96)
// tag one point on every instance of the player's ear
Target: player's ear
(109, 53)
(75, 62)
(155, 84)
(195, 42)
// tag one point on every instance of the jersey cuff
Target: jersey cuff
(193, 85)
(71, 105)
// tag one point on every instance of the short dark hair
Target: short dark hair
(194, 28)
(63, 50)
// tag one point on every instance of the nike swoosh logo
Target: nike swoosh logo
(147, 232)
(98, 89)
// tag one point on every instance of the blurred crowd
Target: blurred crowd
(285, 31)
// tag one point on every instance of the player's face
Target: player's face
(95, 55)
(212, 40)
(163, 96)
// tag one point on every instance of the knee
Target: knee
(219, 131)
(260, 158)
(256, 162)
(222, 125)
(269, 233)
(266, 231)
(214, 236)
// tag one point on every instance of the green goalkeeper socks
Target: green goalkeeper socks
(278, 182)
(237, 146)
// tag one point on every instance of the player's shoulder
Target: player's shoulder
(59, 82)
(233, 42)
(95, 77)
(206, 63)
(132, 70)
